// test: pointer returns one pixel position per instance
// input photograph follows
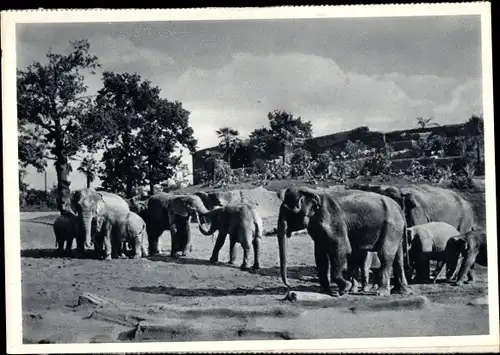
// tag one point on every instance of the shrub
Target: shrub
(380, 163)
(301, 163)
(463, 179)
(323, 161)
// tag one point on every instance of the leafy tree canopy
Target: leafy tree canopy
(141, 131)
(52, 110)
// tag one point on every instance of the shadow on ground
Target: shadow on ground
(34, 221)
(53, 253)
(207, 292)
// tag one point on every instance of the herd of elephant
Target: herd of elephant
(394, 231)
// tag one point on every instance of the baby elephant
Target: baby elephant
(114, 230)
(243, 224)
(66, 228)
(472, 247)
(428, 242)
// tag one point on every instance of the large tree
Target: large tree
(140, 131)
(52, 110)
(228, 141)
(285, 130)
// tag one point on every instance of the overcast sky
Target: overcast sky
(338, 73)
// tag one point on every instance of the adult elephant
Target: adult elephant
(344, 228)
(424, 203)
(89, 203)
(172, 212)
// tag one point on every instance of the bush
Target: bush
(39, 200)
(463, 179)
(433, 145)
(381, 162)
(322, 163)
(301, 163)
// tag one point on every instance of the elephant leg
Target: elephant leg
(386, 255)
(466, 266)
(439, 267)
(353, 267)
(116, 248)
(256, 253)
(232, 250)
(184, 237)
(246, 254)
(321, 258)
(422, 268)
(401, 284)
(137, 248)
(470, 274)
(107, 248)
(107, 242)
(365, 272)
(69, 245)
(219, 243)
(338, 260)
(60, 245)
(154, 239)
(80, 245)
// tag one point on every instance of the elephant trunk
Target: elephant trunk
(199, 207)
(209, 231)
(87, 223)
(282, 244)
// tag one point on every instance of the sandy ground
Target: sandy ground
(187, 299)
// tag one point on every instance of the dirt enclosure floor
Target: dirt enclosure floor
(71, 300)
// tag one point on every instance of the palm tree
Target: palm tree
(89, 167)
(228, 141)
(425, 122)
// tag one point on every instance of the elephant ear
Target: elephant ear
(99, 203)
(394, 193)
(408, 201)
(409, 235)
(179, 207)
(313, 198)
(463, 245)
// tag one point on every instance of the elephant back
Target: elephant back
(135, 224)
(438, 233)
(114, 202)
(436, 204)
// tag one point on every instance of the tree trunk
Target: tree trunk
(88, 181)
(151, 185)
(128, 183)
(63, 170)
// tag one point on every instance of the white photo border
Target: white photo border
(481, 343)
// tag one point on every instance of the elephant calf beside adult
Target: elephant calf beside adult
(243, 224)
(89, 203)
(472, 247)
(66, 229)
(172, 212)
(428, 242)
(344, 228)
(123, 228)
